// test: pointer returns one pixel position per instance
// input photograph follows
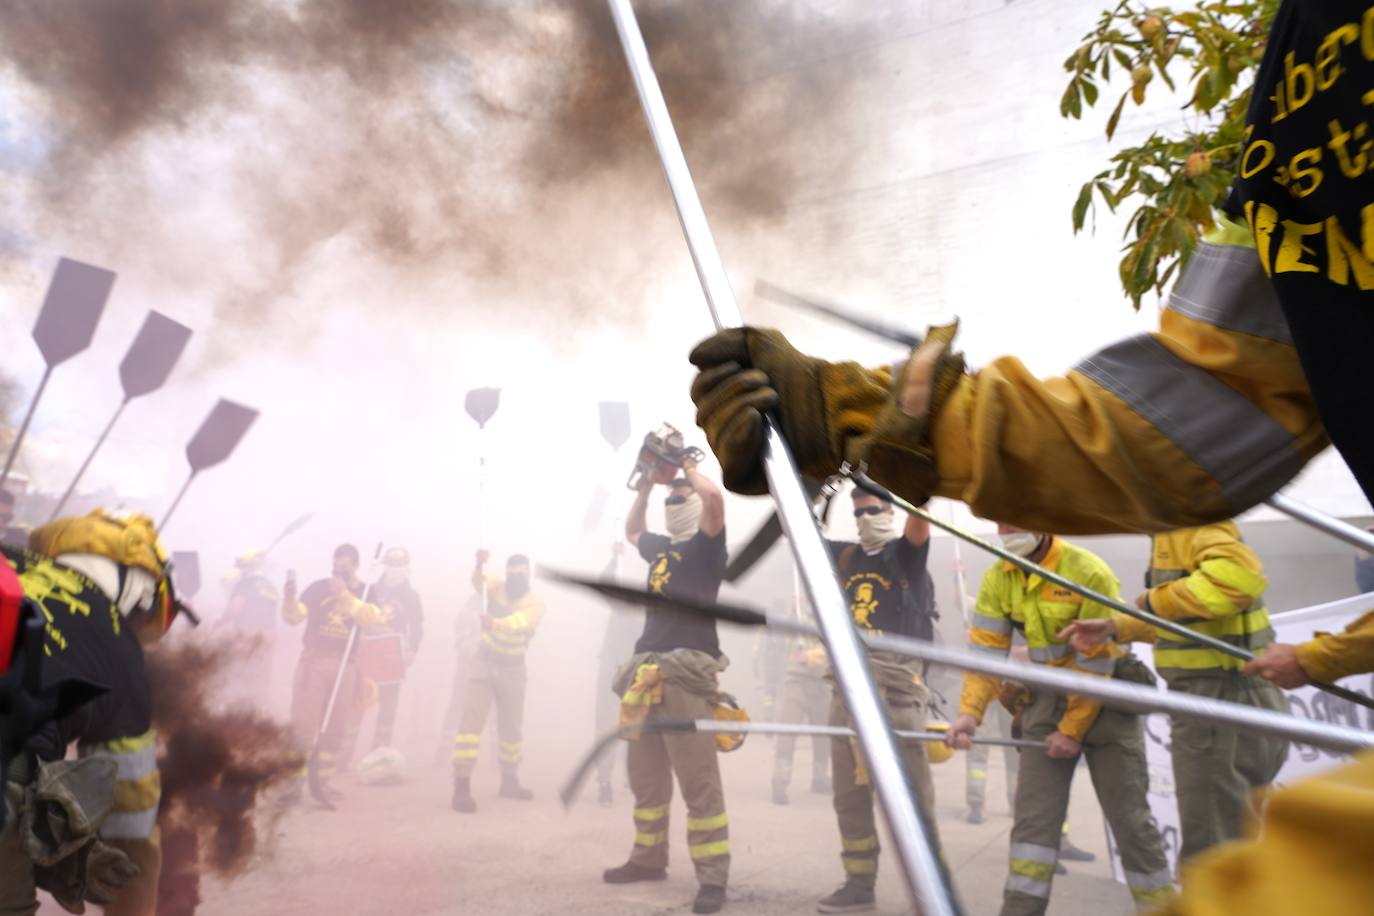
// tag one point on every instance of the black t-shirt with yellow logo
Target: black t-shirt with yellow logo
(873, 585)
(328, 621)
(1306, 187)
(692, 570)
(85, 639)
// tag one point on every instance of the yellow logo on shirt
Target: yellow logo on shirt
(660, 575)
(864, 604)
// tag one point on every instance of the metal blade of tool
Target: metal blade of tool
(1116, 694)
(911, 835)
(572, 786)
(864, 482)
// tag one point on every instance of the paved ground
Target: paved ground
(400, 851)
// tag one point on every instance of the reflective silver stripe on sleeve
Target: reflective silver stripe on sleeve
(1049, 653)
(989, 650)
(1101, 665)
(130, 825)
(1225, 286)
(130, 765)
(1031, 852)
(991, 624)
(1028, 886)
(1239, 445)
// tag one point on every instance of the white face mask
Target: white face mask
(683, 519)
(876, 530)
(396, 575)
(1021, 543)
(140, 587)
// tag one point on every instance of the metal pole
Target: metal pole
(482, 518)
(911, 835)
(833, 731)
(1337, 528)
(24, 426)
(176, 502)
(864, 482)
(71, 487)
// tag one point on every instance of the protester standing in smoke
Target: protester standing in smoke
(400, 612)
(801, 697)
(674, 675)
(497, 677)
(330, 609)
(467, 642)
(252, 611)
(889, 589)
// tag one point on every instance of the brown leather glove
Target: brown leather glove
(745, 372)
(898, 450)
(108, 870)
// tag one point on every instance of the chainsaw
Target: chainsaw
(662, 456)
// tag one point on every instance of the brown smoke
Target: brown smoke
(497, 145)
(215, 767)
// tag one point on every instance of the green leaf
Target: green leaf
(1080, 207)
(1089, 92)
(1122, 58)
(1116, 116)
(1069, 106)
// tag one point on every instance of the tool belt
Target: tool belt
(639, 684)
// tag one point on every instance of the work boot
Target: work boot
(820, 785)
(710, 898)
(630, 873)
(852, 897)
(1071, 853)
(604, 798)
(510, 785)
(462, 796)
(779, 794)
(975, 814)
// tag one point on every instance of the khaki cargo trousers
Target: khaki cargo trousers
(854, 800)
(803, 698)
(1115, 752)
(1217, 769)
(651, 763)
(492, 682)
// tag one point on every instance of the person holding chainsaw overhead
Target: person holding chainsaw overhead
(673, 675)
(330, 609)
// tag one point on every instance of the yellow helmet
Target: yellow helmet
(938, 751)
(129, 540)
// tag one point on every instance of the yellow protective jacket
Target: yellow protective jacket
(1208, 579)
(1331, 656)
(509, 626)
(1186, 426)
(1008, 599)
(1312, 855)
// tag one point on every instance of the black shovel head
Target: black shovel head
(481, 403)
(186, 572)
(152, 355)
(615, 423)
(75, 301)
(219, 435)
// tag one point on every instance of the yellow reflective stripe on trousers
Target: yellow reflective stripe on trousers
(651, 839)
(138, 794)
(859, 866)
(1031, 869)
(709, 850)
(651, 814)
(1153, 888)
(865, 844)
(707, 823)
(465, 747)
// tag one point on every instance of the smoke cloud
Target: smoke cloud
(216, 767)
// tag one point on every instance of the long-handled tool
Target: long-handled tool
(317, 787)
(913, 837)
(1120, 695)
(864, 482)
(481, 404)
(572, 788)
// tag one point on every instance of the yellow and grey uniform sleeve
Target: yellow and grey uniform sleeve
(524, 620)
(1331, 656)
(1227, 578)
(1130, 629)
(989, 634)
(138, 786)
(1080, 712)
(1186, 426)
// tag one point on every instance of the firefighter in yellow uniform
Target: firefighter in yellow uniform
(1112, 741)
(1210, 580)
(104, 583)
(497, 676)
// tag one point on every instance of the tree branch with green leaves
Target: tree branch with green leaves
(1174, 181)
